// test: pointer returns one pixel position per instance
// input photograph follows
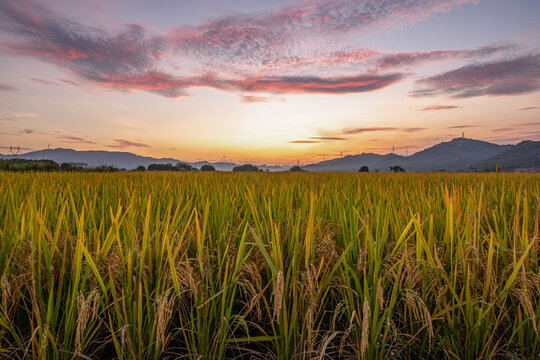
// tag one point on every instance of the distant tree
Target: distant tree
(397, 168)
(162, 167)
(244, 168)
(66, 167)
(106, 168)
(140, 168)
(296, 168)
(208, 168)
(364, 169)
(184, 167)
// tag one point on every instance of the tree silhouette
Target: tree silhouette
(244, 168)
(184, 167)
(208, 168)
(397, 168)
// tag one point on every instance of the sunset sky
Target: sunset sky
(267, 81)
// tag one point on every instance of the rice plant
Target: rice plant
(269, 266)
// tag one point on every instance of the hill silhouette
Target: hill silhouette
(459, 154)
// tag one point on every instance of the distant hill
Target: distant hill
(355, 162)
(453, 155)
(118, 159)
(525, 155)
(457, 154)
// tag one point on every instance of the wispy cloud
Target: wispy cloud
(529, 108)
(439, 107)
(530, 124)
(462, 126)
(6, 87)
(403, 59)
(42, 81)
(519, 75)
(124, 59)
(21, 115)
(374, 129)
(123, 143)
(257, 99)
(243, 51)
(305, 141)
(274, 38)
(328, 138)
(306, 84)
(75, 139)
(506, 129)
(367, 129)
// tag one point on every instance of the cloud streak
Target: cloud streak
(305, 84)
(328, 138)
(6, 87)
(439, 107)
(123, 143)
(305, 141)
(362, 130)
(404, 59)
(75, 140)
(461, 126)
(515, 76)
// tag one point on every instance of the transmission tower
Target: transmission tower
(14, 150)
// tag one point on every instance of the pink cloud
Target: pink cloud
(373, 129)
(6, 87)
(306, 84)
(514, 76)
(267, 39)
(439, 107)
(123, 143)
(245, 52)
(397, 60)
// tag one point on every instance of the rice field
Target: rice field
(269, 266)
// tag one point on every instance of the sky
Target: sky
(272, 82)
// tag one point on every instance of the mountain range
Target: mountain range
(459, 154)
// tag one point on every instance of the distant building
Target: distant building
(527, 170)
